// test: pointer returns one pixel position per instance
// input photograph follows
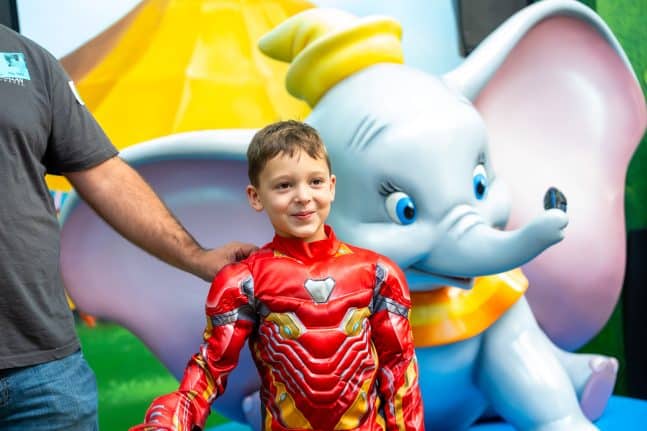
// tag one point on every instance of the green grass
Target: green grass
(626, 18)
(128, 376)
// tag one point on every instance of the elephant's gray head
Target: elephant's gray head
(417, 181)
(412, 159)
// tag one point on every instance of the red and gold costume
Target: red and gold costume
(328, 329)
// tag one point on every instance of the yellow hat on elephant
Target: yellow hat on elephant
(328, 45)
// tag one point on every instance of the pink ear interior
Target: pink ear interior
(564, 111)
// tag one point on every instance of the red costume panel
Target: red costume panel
(328, 329)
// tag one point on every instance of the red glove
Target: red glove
(174, 412)
(145, 427)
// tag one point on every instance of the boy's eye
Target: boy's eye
(318, 181)
(282, 186)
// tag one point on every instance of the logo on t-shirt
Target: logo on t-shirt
(13, 68)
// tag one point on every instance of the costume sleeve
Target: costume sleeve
(230, 320)
(393, 340)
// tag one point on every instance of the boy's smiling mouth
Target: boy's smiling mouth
(303, 215)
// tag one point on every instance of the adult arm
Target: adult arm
(393, 340)
(127, 203)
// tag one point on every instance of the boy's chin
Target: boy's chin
(306, 234)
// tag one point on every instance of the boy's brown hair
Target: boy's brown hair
(283, 137)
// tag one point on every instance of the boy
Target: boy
(327, 322)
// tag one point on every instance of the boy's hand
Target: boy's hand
(145, 427)
(172, 412)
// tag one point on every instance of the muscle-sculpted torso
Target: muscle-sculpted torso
(313, 345)
(328, 329)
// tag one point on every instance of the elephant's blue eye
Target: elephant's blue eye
(400, 208)
(480, 181)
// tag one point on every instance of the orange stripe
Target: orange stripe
(449, 314)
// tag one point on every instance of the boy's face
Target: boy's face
(296, 193)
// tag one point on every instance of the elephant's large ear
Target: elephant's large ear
(201, 176)
(562, 108)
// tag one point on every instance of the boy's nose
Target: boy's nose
(303, 193)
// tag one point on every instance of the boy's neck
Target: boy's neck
(307, 250)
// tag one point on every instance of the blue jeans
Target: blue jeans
(54, 396)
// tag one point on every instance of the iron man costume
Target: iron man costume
(329, 332)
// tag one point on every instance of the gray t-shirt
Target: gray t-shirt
(43, 129)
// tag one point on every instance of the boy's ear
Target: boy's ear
(253, 198)
(333, 181)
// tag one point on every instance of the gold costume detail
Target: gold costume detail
(410, 379)
(355, 413)
(291, 416)
(279, 254)
(354, 321)
(289, 327)
(211, 384)
(268, 420)
(343, 249)
(208, 329)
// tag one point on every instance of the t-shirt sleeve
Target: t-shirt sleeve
(76, 140)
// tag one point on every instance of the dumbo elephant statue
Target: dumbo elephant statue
(415, 158)
(417, 183)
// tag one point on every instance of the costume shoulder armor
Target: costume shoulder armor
(230, 286)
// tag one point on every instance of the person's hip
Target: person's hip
(52, 396)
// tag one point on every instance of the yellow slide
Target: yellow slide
(173, 66)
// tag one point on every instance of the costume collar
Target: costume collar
(307, 251)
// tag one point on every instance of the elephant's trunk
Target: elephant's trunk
(467, 246)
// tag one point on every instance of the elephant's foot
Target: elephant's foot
(252, 411)
(599, 386)
(568, 425)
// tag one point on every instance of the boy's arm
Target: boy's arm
(393, 340)
(230, 320)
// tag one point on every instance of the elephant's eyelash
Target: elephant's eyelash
(387, 187)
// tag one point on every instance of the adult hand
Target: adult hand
(209, 262)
